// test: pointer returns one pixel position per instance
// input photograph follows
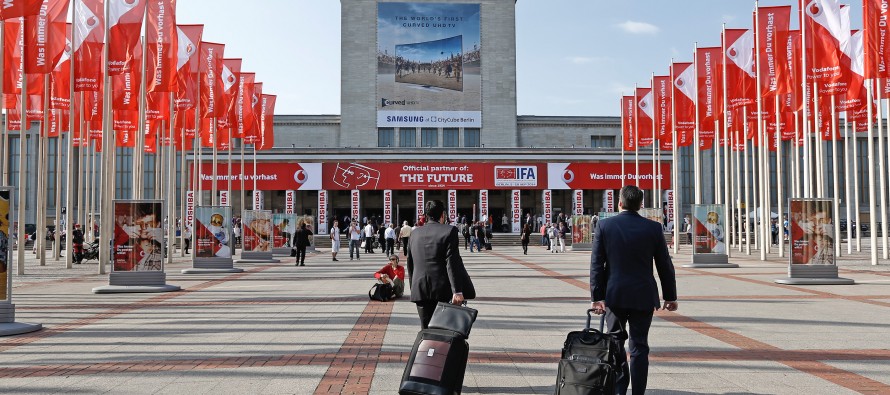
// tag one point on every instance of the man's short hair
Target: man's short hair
(631, 198)
(434, 210)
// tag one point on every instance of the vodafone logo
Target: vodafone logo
(568, 176)
(300, 176)
(131, 2)
(190, 48)
(92, 22)
(814, 9)
(231, 79)
(732, 53)
(643, 104)
(679, 82)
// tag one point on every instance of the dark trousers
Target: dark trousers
(390, 245)
(188, 244)
(405, 246)
(637, 323)
(369, 244)
(301, 254)
(525, 246)
(425, 311)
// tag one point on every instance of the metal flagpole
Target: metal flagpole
(69, 186)
(139, 150)
(696, 142)
(57, 242)
(171, 184)
(106, 190)
(780, 181)
(636, 137)
(43, 175)
(763, 207)
(819, 145)
(183, 185)
(847, 176)
(214, 187)
(872, 209)
(795, 163)
(654, 144)
(23, 182)
(675, 160)
(856, 174)
(807, 191)
(718, 194)
(623, 143)
(745, 166)
(834, 179)
(4, 131)
(882, 173)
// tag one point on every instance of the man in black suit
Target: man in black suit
(435, 269)
(622, 284)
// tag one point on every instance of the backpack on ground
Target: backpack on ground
(381, 292)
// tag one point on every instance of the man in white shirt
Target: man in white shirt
(405, 234)
(390, 235)
(369, 238)
(355, 239)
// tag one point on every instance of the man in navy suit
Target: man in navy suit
(622, 284)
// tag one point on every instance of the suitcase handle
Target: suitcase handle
(590, 316)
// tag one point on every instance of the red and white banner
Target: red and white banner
(258, 200)
(419, 202)
(663, 117)
(89, 35)
(45, 36)
(20, 8)
(211, 62)
(644, 116)
(290, 201)
(684, 102)
(161, 46)
(124, 30)
(267, 126)
(669, 203)
(604, 175)
(322, 212)
(578, 201)
(452, 206)
(224, 198)
(609, 200)
(515, 203)
(710, 89)
(245, 118)
(187, 65)
(628, 123)
(387, 206)
(355, 203)
(432, 175)
(483, 204)
(269, 176)
(827, 26)
(190, 208)
(740, 68)
(772, 32)
(877, 37)
(547, 200)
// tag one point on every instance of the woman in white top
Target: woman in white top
(335, 240)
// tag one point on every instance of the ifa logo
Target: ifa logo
(516, 176)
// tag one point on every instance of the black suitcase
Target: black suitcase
(436, 365)
(488, 246)
(589, 363)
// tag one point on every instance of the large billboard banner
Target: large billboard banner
(283, 228)
(213, 232)
(429, 65)
(138, 235)
(709, 229)
(812, 232)
(607, 175)
(432, 175)
(257, 230)
(581, 232)
(5, 227)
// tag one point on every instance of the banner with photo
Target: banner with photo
(581, 231)
(213, 232)
(812, 231)
(283, 228)
(653, 214)
(257, 229)
(709, 229)
(429, 58)
(5, 243)
(138, 235)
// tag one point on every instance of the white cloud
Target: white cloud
(638, 27)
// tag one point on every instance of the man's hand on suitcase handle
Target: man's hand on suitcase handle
(457, 298)
(598, 307)
(670, 306)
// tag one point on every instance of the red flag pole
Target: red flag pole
(675, 179)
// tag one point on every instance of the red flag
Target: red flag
(45, 37)
(231, 72)
(161, 47)
(127, 86)
(774, 25)
(684, 102)
(662, 88)
(88, 38)
(252, 134)
(20, 8)
(740, 72)
(211, 65)
(124, 28)
(827, 32)
(157, 106)
(245, 116)
(628, 124)
(877, 38)
(126, 124)
(60, 89)
(223, 139)
(645, 115)
(710, 89)
(13, 38)
(187, 37)
(267, 137)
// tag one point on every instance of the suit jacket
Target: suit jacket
(301, 238)
(621, 263)
(435, 268)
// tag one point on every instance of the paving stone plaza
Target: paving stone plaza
(280, 329)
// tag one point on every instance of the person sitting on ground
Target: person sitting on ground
(394, 275)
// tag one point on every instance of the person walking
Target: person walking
(355, 239)
(301, 241)
(525, 236)
(545, 236)
(622, 284)
(561, 233)
(435, 268)
(405, 235)
(187, 238)
(369, 238)
(335, 240)
(77, 244)
(390, 235)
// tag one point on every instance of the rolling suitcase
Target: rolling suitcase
(437, 364)
(589, 362)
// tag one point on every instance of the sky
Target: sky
(573, 57)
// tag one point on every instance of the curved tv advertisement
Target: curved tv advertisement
(429, 58)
